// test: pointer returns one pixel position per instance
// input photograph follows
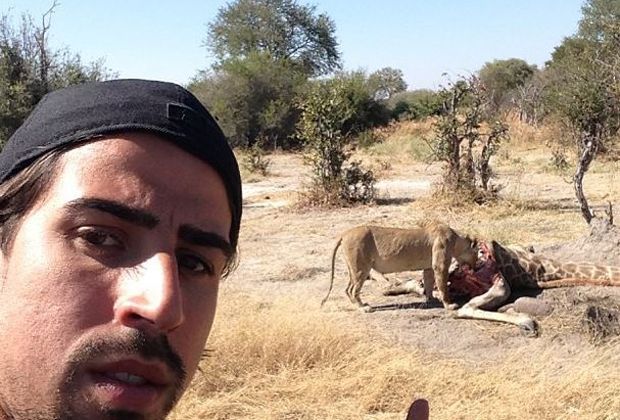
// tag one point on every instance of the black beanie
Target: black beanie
(84, 112)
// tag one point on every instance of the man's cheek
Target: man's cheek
(190, 339)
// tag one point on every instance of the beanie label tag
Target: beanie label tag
(185, 115)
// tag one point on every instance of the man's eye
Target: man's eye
(99, 237)
(194, 264)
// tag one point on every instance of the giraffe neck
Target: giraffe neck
(521, 267)
(555, 270)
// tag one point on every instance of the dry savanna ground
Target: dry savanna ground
(275, 353)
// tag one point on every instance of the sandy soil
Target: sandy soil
(285, 254)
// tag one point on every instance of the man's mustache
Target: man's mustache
(129, 342)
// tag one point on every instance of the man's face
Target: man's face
(108, 292)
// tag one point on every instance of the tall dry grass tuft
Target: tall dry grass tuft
(405, 141)
(526, 136)
(286, 361)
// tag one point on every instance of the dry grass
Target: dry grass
(525, 136)
(270, 362)
(405, 142)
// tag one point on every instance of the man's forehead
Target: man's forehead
(143, 173)
(134, 151)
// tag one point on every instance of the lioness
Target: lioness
(429, 247)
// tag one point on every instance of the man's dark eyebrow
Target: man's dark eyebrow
(122, 211)
(199, 237)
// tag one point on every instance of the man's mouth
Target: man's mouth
(132, 385)
(127, 378)
(136, 372)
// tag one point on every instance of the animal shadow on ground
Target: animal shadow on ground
(387, 201)
(434, 304)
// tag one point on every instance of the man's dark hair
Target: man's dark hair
(19, 193)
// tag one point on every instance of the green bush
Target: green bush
(413, 105)
(255, 160)
(326, 110)
(359, 185)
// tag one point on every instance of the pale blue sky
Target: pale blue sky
(424, 38)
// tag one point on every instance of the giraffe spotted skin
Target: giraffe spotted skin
(524, 269)
(515, 268)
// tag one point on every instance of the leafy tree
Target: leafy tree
(583, 89)
(326, 112)
(267, 50)
(502, 78)
(600, 21)
(414, 104)
(384, 83)
(359, 94)
(281, 29)
(529, 98)
(465, 139)
(29, 69)
(253, 98)
(16, 99)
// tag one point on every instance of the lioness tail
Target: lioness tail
(331, 281)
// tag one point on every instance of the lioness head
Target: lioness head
(466, 251)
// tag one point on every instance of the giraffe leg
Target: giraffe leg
(377, 276)
(410, 286)
(484, 306)
(575, 281)
(414, 286)
(527, 324)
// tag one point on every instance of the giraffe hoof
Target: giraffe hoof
(367, 309)
(529, 328)
(451, 306)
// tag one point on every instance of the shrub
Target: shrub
(369, 138)
(359, 185)
(255, 160)
(415, 104)
(325, 112)
(461, 142)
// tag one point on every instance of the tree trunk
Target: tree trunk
(587, 155)
(483, 166)
(454, 170)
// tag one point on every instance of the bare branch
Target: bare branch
(41, 41)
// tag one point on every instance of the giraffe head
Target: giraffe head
(518, 265)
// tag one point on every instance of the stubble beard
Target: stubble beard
(67, 406)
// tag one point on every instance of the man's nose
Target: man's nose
(149, 295)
